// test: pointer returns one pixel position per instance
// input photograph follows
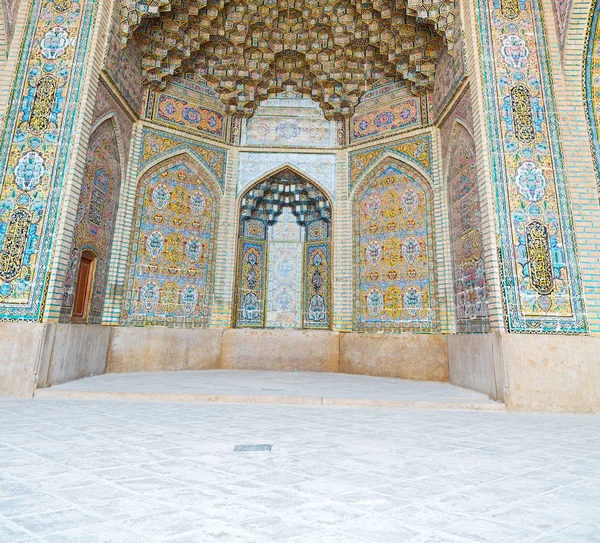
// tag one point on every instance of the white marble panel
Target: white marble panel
(316, 166)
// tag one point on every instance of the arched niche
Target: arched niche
(95, 220)
(284, 271)
(466, 238)
(395, 287)
(171, 269)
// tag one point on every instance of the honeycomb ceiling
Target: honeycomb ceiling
(331, 51)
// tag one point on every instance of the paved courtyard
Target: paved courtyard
(134, 471)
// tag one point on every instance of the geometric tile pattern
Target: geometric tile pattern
(539, 266)
(170, 276)
(123, 65)
(395, 286)
(135, 472)
(450, 71)
(330, 51)
(34, 150)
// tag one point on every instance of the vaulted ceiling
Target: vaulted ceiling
(332, 51)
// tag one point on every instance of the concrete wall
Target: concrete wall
(419, 357)
(158, 348)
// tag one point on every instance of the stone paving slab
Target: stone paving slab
(116, 471)
(261, 387)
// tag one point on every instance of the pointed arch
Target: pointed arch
(118, 134)
(280, 169)
(96, 216)
(394, 275)
(466, 237)
(172, 249)
(283, 272)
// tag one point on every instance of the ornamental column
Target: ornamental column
(42, 148)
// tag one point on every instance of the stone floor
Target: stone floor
(272, 387)
(132, 471)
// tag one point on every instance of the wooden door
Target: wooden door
(84, 284)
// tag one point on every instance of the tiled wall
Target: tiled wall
(535, 179)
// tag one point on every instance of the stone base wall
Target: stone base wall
(156, 348)
(420, 357)
(73, 351)
(21, 345)
(527, 372)
(475, 363)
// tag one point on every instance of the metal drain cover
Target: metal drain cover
(252, 448)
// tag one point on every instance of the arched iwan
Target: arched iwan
(284, 267)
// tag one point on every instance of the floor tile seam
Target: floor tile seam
(511, 524)
(539, 533)
(28, 533)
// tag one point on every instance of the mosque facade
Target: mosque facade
(389, 187)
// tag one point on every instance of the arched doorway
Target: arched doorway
(394, 276)
(284, 259)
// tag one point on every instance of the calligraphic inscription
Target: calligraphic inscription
(510, 8)
(15, 243)
(520, 100)
(45, 94)
(538, 256)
